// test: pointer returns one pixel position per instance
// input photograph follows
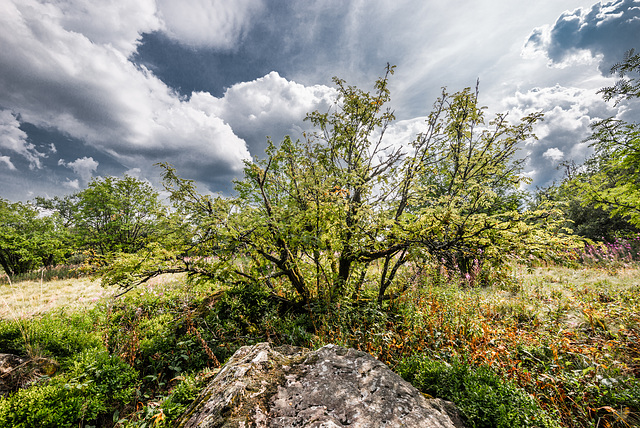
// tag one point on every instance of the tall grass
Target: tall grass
(27, 299)
(52, 273)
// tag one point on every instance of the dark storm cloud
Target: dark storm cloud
(608, 29)
(309, 42)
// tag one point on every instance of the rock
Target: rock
(261, 386)
(19, 372)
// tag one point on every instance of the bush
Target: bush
(11, 337)
(152, 333)
(106, 380)
(181, 396)
(98, 384)
(57, 335)
(45, 406)
(485, 399)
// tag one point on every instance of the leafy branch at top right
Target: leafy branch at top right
(610, 179)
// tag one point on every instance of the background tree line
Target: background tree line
(601, 197)
(112, 215)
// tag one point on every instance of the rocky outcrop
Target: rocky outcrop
(261, 386)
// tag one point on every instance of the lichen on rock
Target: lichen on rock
(261, 386)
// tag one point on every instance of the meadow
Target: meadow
(548, 346)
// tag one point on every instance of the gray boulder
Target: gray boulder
(261, 386)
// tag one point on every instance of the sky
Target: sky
(97, 88)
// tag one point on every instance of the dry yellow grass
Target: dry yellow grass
(28, 298)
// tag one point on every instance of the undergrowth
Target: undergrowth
(537, 347)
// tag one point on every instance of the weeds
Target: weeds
(621, 253)
(566, 338)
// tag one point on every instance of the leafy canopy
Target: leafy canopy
(29, 239)
(347, 209)
(609, 179)
(111, 215)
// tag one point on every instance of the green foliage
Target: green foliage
(11, 337)
(106, 381)
(46, 406)
(596, 223)
(345, 208)
(98, 383)
(112, 214)
(597, 393)
(57, 335)
(626, 87)
(485, 399)
(566, 336)
(153, 329)
(181, 396)
(167, 409)
(29, 239)
(609, 179)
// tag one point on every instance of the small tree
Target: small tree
(345, 207)
(29, 239)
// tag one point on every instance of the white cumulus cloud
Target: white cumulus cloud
(210, 23)
(84, 167)
(58, 72)
(553, 154)
(72, 184)
(14, 139)
(568, 115)
(7, 161)
(117, 23)
(270, 102)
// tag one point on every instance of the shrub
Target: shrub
(106, 380)
(98, 384)
(57, 335)
(182, 395)
(11, 337)
(485, 399)
(45, 406)
(152, 333)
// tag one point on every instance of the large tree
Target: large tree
(347, 206)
